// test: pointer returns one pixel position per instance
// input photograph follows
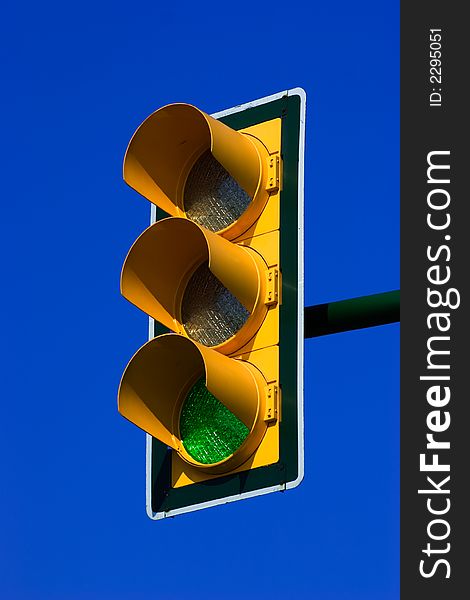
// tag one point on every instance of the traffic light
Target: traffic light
(218, 386)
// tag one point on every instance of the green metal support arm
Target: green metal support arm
(355, 313)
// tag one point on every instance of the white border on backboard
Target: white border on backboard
(300, 324)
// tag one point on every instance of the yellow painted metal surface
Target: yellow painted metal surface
(243, 371)
(156, 382)
(157, 269)
(166, 146)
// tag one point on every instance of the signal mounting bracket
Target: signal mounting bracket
(272, 392)
(272, 184)
(272, 287)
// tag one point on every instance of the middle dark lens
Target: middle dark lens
(211, 314)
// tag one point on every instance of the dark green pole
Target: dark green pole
(355, 313)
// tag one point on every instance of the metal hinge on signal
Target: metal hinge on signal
(274, 174)
(272, 287)
(272, 402)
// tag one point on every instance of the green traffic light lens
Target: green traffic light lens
(211, 314)
(212, 197)
(209, 431)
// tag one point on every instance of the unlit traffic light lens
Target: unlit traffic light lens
(212, 197)
(211, 314)
(209, 431)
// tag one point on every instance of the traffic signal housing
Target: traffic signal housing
(218, 387)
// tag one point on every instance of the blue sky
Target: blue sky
(77, 80)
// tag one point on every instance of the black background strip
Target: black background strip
(425, 129)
